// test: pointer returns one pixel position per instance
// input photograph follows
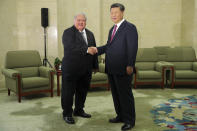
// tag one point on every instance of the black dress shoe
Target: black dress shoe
(126, 127)
(82, 114)
(69, 120)
(115, 120)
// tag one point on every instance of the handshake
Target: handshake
(92, 50)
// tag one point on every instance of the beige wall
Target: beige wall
(30, 33)
(8, 26)
(159, 23)
(195, 27)
(187, 25)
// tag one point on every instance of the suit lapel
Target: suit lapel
(80, 37)
(77, 34)
(110, 34)
(120, 29)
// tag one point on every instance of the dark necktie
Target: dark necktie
(113, 33)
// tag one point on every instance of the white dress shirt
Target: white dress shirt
(118, 25)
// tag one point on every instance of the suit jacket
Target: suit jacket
(121, 51)
(76, 61)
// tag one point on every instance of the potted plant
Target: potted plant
(57, 63)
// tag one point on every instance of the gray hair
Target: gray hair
(80, 14)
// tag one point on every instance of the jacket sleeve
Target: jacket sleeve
(68, 40)
(95, 57)
(101, 50)
(132, 45)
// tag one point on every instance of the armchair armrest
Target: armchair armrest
(101, 67)
(161, 64)
(10, 73)
(136, 70)
(45, 71)
(103, 60)
(195, 66)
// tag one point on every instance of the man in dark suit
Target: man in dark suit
(77, 65)
(121, 50)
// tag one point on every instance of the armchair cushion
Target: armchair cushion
(99, 77)
(146, 55)
(102, 67)
(145, 65)
(45, 71)
(34, 82)
(28, 71)
(17, 59)
(150, 74)
(181, 54)
(185, 74)
(162, 52)
(183, 65)
(195, 66)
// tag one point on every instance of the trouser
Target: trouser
(77, 86)
(123, 97)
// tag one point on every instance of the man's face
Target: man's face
(80, 22)
(116, 14)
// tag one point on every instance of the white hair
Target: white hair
(80, 14)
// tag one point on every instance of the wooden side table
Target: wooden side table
(171, 69)
(58, 73)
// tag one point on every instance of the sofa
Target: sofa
(163, 65)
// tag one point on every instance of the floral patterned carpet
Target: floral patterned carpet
(177, 114)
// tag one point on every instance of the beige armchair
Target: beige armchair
(25, 75)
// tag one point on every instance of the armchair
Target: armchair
(185, 65)
(25, 75)
(100, 79)
(148, 69)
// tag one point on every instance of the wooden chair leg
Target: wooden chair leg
(172, 85)
(58, 84)
(52, 78)
(8, 92)
(173, 81)
(108, 86)
(51, 91)
(19, 88)
(19, 97)
(135, 85)
(135, 79)
(162, 85)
